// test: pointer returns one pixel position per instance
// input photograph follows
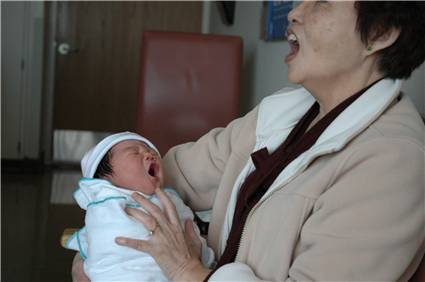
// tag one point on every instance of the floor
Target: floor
(36, 206)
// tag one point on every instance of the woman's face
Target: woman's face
(327, 46)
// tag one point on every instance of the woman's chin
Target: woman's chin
(292, 77)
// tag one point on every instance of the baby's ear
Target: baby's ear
(107, 176)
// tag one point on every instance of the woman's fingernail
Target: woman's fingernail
(136, 196)
(120, 240)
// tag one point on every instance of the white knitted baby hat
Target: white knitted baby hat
(93, 157)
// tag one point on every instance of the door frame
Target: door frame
(22, 88)
(48, 81)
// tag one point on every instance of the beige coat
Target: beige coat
(350, 208)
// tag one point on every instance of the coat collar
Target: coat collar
(351, 122)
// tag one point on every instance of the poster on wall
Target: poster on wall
(276, 19)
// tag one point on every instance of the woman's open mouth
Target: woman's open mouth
(294, 45)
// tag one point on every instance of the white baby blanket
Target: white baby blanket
(106, 219)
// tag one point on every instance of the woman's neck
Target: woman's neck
(330, 94)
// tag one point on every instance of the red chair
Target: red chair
(419, 275)
(190, 83)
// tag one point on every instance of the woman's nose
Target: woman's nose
(295, 15)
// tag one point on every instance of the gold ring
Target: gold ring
(153, 230)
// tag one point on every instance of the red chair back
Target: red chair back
(190, 83)
(419, 275)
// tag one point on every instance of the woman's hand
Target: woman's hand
(77, 272)
(177, 252)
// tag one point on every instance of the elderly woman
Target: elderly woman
(320, 183)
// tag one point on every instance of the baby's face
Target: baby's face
(135, 166)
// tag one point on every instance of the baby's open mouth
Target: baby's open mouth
(153, 169)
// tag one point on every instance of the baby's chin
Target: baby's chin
(148, 191)
(150, 188)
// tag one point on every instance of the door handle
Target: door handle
(65, 49)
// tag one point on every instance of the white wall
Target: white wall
(264, 70)
(21, 78)
(415, 88)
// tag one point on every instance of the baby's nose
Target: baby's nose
(150, 156)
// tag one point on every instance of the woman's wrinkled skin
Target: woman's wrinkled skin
(332, 62)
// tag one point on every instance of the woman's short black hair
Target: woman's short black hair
(104, 168)
(374, 18)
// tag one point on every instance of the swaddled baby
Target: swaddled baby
(115, 168)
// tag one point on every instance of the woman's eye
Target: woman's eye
(296, 4)
(321, 4)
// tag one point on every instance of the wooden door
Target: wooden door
(97, 80)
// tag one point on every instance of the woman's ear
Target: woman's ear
(383, 40)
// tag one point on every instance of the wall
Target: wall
(22, 41)
(415, 88)
(264, 70)
(261, 67)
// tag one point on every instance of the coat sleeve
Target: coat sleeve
(195, 169)
(369, 223)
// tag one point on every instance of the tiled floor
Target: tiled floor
(36, 206)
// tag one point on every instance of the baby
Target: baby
(116, 167)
